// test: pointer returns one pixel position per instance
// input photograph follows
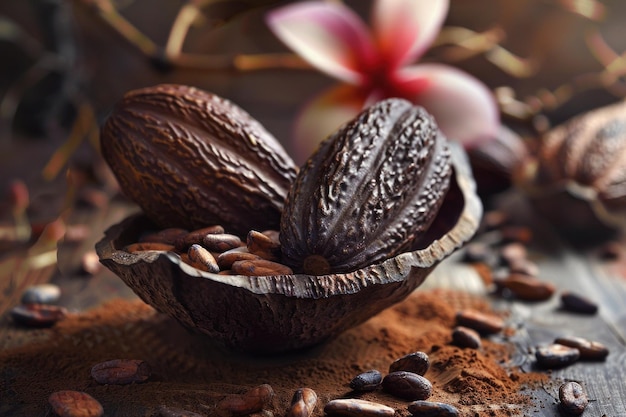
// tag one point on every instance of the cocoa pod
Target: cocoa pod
(369, 192)
(189, 159)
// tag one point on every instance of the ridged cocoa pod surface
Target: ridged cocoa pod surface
(369, 191)
(190, 159)
(578, 177)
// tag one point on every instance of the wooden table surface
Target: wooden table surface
(538, 323)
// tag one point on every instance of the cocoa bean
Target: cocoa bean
(197, 236)
(260, 267)
(483, 323)
(432, 409)
(465, 337)
(203, 258)
(263, 245)
(577, 303)
(589, 350)
(407, 385)
(75, 404)
(220, 242)
(351, 407)
(303, 403)
(366, 381)
(416, 362)
(226, 259)
(528, 288)
(556, 356)
(573, 398)
(252, 401)
(37, 315)
(121, 371)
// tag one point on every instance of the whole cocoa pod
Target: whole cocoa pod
(368, 193)
(189, 159)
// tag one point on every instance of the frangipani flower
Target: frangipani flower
(376, 64)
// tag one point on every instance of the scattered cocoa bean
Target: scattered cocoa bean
(149, 246)
(226, 259)
(260, 267)
(121, 371)
(252, 401)
(577, 303)
(366, 381)
(165, 411)
(75, 404)
(524, 267)
(432, 409)
(512, 253)
(407, 385)
(263, 245)
(303, 403)
(169, 236)
(41, 294)
(201, 257)
(528, 288)
(416, 362)
(573, 398)
(589, 350)
(465, 337)
(37, 315)
(183, 242)
(556, 356)
(483, 323)
(220, 242)
(351, 407)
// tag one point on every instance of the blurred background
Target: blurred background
(65, 63)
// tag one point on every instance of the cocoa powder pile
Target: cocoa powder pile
(191, 372)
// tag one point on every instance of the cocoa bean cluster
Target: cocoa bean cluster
(211, 249)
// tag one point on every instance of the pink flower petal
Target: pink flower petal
(321, 117)
(404, 29)
(463, 107)
(330, 36)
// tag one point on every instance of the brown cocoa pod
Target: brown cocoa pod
(189, 159)
(75, 404)
(369, 192)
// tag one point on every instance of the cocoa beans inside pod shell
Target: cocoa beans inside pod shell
(368, 192)
(190, 159)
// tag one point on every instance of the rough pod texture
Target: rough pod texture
(579, 179)
(369, 191)
(190, 159)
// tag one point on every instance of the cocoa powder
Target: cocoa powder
(189, 372)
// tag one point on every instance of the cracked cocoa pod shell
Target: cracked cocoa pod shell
(189, 159)
(577, 180)
(369, 191)
(280, 313)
